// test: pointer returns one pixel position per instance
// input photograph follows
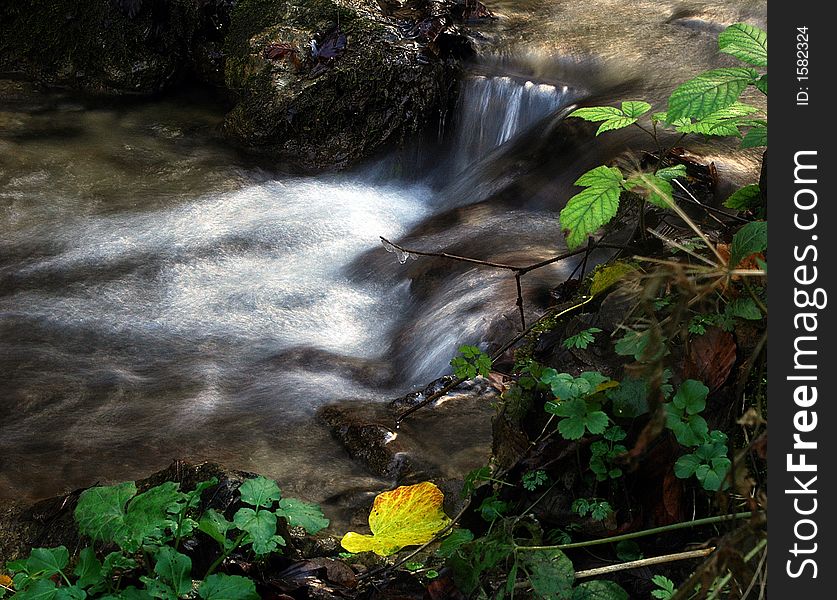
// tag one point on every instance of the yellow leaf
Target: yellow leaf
(6, 581)
(607, 276)
(407, 516)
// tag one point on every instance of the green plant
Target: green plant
(578, 402)
(707, 104)
(473, 362)
(532, 480)
(598, 509)
(665, 587)
(604, 453)
(709, 463)
(148, 528)
(582, 339)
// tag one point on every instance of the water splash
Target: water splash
(402, 255)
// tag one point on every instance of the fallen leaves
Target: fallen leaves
(406, 516)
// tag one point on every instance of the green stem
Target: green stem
(645, 532)
(224, 555)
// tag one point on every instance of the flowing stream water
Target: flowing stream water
(162, 296)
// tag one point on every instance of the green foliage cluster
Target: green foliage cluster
(471, 363)
(146, 530)
(707, 105)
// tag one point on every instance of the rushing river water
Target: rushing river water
(162, 296)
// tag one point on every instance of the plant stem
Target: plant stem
(224, 555)
(645, 562)
(645, 532)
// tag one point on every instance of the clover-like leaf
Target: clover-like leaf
(406, 516)
(302, 514)
(259, 491)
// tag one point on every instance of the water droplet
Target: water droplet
(400, 254)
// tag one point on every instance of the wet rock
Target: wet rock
(348, 81)
(113, 47)
(368, 440)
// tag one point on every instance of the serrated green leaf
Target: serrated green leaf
(669, 173)
(709, 92)
(89, 568)
(601, 177)
(42, 589)
(47, 561)
(635, 109)
(100, 512)
(743, 308)
(599, 590)
(227, 587)
(750, 239)
(656, 190)
(745, 42)
(761, 84)
(587, 211)
(596, 422)
(452, 542)
(744, 199)
(755, 137)
(630, 399)
(551, 573)
(260, 528)
(597, 113)
(147, 515)
(302, 514)
(615, 123)
(260, 491)
(175, 569)
(571, 428)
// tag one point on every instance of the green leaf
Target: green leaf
(587, 211)
(175, 569)
(259, 491)
(615, 123)
(744, 199)
(599, 590)
(157, 588)
(686, 466)
(630, 399)
(709, 92)
(89, 569)
(147, 515)
(260, 528)
(665, 585)
(302, 514)
(635, 109)
(582, 339)
(691, 396)
(596, 422)
(564, 386)
(755, 137)
(551, 573)
(749, 240)
(744, 308)
(47, 561)
(492, 508)
(601, 177)
(669, 173)
(657, 190)
(227, 587)
(193, 498)
(597, 113)
(745, 42)
(100, 512)
(761, 84)
(452, 542)
(117, 560)
(42, 589)
(71, 592)
(628, 550)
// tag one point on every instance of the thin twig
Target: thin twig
(520, 302)
(645, 562)
(725, 579)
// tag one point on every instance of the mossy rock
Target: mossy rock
(377, 92)
(111, 46)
